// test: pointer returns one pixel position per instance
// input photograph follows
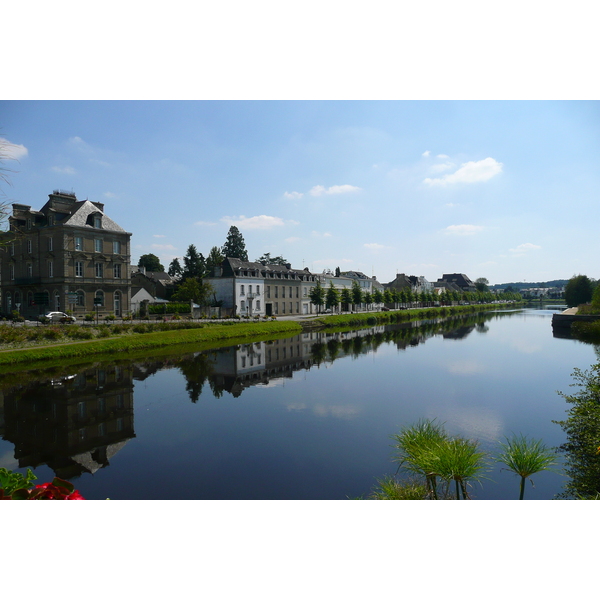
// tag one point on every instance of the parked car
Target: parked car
(59, 317)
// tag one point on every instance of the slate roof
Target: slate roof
(80, 213)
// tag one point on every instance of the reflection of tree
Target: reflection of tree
(333, 347)
(582, 427)
(196, 371)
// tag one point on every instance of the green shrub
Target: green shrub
(52, 333)
(89, 317)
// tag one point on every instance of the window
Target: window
(257, 290)
(290, 291)
(243, 305)
(297, 292)
(268, 291)
(28, 246)
(78, 243)
(50, 245)
(116, 247)
(276, 291)
(117, 303)
(117, 270)
(99, 270)
(12, 249)
(258, 305)
(100, 297)
(283, 291)
(29, 270)
(283, 307)
(249, 289)
(97, 245)
(242, 290)
(78, 268)
(50, 269)
(28, 223)
(80, 298)
(98, 222)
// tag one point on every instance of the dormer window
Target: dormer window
(97, 222)
(28, 223)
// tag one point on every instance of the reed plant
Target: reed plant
(390, 488)
(525, 457)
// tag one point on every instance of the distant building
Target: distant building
(69, 255)
(460, 280)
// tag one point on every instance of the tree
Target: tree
(332, 298)
(346, 297)
(579, 290)
(482, 284)
(337, 271)
(214, 259)
(377, 296)
(175, 269)
(266, 259)
(357, 295)
(317, 295)
(234, 246)
(194, 264)
(192, 290)
(150, 262)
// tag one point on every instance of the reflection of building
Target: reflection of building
(72, 423)
(67, 255)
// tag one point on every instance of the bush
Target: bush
(89, 317)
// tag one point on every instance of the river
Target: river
(307, 417)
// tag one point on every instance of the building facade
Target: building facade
(68, 256)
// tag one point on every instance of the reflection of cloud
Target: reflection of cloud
(298, 406)
(8, 461)
(525, 347)
(465, 367)
(340, 412)
(472, 422)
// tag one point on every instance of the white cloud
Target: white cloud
(470, 172)
(159, 235)
(319, 190)
(258, 222)
(163, 247)
(292, 240)
(318, 234)
(451, 205)
(523, 248)
(293, 195)
(64, 170)
(109, 195)
(13, 151)
(204, 223)
(442, 156)
(441, 167)
(374, 247)
(463, 229)
(426, 153)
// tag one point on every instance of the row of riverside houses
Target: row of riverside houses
(70, 256)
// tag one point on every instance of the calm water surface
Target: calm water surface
(309, 417)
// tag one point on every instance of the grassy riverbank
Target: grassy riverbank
(131, 341)
(402, 316)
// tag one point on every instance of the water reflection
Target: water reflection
(74, 421)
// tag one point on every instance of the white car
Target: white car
(60, 317)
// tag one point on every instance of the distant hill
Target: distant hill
(520, 285)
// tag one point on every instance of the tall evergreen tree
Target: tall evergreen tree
(215, 258)
(234, 246)
(175, 269)
(194, 264)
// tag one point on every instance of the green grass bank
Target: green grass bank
(208, 336)
(402, 316)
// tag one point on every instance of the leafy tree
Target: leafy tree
(578, 290)
(194, 264)
(482, 284)
(215, 258)
(368, 298)
(150, 262)
(267, 259)
(346, 297)
(175, 269)
(388, 297)
(317, 295)
(192, 289)
(234, 246)
(332, 298)
(377, 296)
(357, 294)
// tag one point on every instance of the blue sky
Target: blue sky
(506, 190)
